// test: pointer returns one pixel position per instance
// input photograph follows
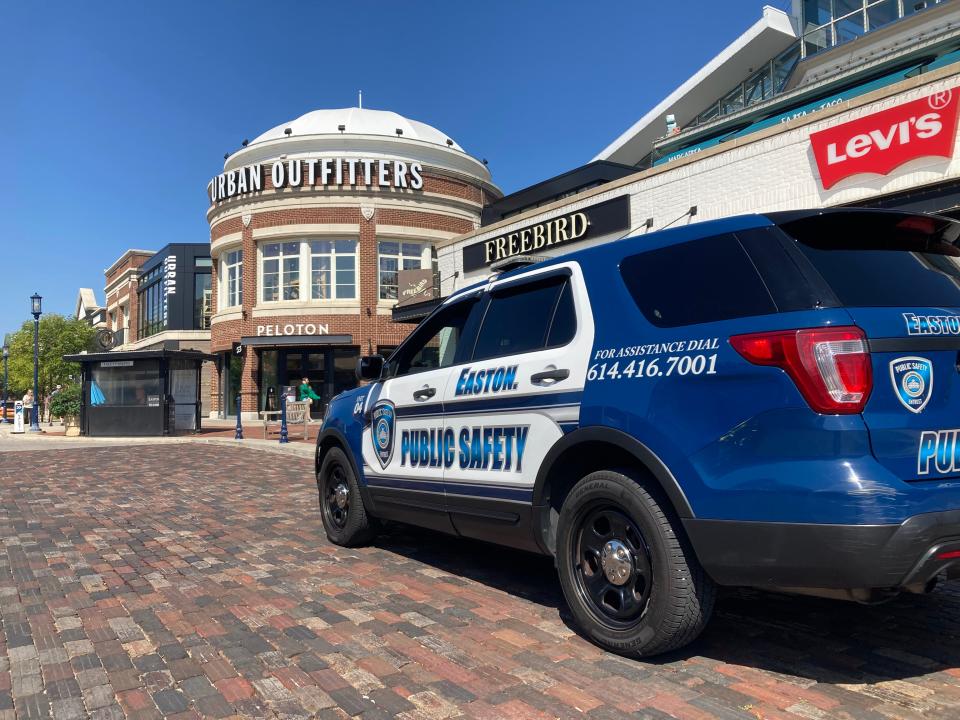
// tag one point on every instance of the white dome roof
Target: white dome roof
(358, 121)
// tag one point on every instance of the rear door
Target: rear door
(898, 276)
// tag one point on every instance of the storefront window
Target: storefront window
(333, 269)
(269, 380)
(825, 23)
(184, 391)
(234, 367)
(281, 271)
(733, 102)
(850, 26)
(202, 297)
(881, 13)
(817, 40)
(329, 372)
(758, 87)
(232, 273)
(395, 256)
(150, 311)
(815, 13)
(344, 370)
(125, 386)
(783, 66)
(845, 7)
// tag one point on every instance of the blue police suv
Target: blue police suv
(769, 401)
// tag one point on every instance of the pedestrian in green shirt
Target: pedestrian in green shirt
(306, 391)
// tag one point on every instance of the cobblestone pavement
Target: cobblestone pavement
(191, 580)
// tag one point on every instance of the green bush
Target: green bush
(66, 402)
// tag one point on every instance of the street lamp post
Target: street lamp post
(238, 435)
(36, 311)
(283, 420)
(6, 355)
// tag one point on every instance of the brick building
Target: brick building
(834, 104)
(161, 301)
(309, 225)
(121, 294)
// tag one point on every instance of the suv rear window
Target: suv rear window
(696, 282)
(883, 259)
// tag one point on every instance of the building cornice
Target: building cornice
(435, 203)
(128, 276)
(128, 254)
(169, 335)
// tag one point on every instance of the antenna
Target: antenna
(360, 99)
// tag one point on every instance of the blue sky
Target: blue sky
(116, 115)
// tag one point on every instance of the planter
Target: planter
(72, 424)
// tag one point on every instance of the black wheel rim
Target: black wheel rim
(336, 502)
(612, 566)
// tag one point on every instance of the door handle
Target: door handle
(548, 377)
(424, 393)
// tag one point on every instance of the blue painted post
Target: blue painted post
(35, 415)
(6, 355)
(239, 434)
(283, 419)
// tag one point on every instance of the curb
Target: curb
(298, 449)
(304, 450)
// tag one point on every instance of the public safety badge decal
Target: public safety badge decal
(912, 379)
(383, 422)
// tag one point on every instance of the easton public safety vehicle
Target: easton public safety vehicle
(769, 401)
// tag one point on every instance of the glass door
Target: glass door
(295, 365)
(329, 371)
(313, 366)
(344, 375)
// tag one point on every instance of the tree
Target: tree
(59, 336)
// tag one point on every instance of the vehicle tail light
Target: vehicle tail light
(830, 366)
(949, 555)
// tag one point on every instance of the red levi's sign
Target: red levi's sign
(883, 141)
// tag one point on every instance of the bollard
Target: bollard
(283, 419)
(239, 434)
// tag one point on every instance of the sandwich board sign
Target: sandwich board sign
(18, 416)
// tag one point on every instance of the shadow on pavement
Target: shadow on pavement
(521, 574)
(834, 641)
(826, 641)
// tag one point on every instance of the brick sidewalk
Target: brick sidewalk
(188, 580)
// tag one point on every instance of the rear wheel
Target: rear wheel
(629, 577)
(341, 507)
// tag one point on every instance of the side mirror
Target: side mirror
(370, 367)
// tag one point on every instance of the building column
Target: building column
(366, 338)
(216, 380)
(248, 377)
(133, 315)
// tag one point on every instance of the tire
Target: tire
(654, 596)
(345, 519)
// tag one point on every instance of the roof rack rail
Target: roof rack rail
(516, 261)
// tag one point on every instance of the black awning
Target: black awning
(414, 312)
(288, 340)
(141, 355)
